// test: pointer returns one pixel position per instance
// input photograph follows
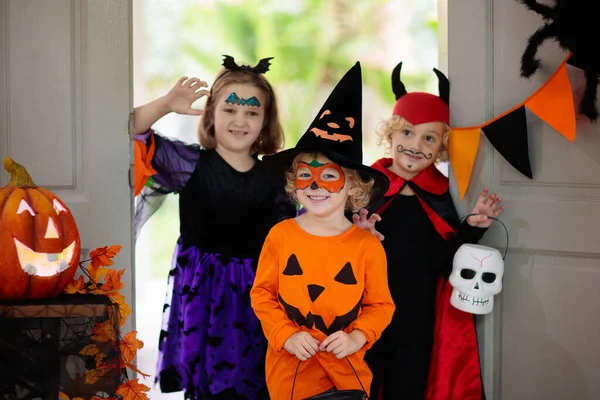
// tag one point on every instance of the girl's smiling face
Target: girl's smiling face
(239, 117)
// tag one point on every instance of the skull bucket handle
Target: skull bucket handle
(495, 219)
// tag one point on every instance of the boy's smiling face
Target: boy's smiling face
(417, 147)
(321, 185)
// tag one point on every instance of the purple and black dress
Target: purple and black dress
(211, 343)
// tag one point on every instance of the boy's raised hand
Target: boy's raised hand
(184, 93)
(486, 206)
(302, 345)
(368, 224)
(341, 344)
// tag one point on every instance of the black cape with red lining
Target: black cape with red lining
(443, 336)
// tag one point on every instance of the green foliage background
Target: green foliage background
(313, 42)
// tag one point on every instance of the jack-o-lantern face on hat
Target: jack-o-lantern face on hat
(328, 127)
(334, 289)
(39, 239)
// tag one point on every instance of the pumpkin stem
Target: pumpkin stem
(18, 174)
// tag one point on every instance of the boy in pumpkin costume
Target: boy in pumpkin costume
(429, 351)
(321, 290)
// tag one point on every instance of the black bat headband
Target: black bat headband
(260, 68)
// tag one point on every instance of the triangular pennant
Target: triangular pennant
(462, 150)
(508, 135)
(554, 104)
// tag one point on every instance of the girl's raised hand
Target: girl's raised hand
(302, 345)
(184, 93)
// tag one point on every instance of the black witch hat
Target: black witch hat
(336, 132)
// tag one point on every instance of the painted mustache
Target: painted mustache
(401, 149)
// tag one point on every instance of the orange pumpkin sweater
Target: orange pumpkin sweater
(319, 285)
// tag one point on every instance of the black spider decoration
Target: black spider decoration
(573, 24)
(260, 68)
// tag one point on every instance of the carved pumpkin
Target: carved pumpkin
(39, 240)
(329, 129)
(337, 291)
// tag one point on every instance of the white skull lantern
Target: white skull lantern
(476, 278)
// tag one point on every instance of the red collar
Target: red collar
(431, 179)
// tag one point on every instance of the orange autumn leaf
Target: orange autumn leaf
(112, 281)
(135, 369)
(103, 332)
(99, 358)
(93, 375)
(133, 390)
(96, 272)
(63, 396)
(102, 256)
(124, 309)
(129, 346)
(76, 286)
(90, 350)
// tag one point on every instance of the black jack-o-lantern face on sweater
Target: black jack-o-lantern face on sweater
(308, 289)
(331, 129)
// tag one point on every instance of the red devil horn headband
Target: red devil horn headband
(400, 90)
(418, 107)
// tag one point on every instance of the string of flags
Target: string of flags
(552, 102)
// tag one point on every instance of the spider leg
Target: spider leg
(587, 106)
(530, 64)
(542, 9)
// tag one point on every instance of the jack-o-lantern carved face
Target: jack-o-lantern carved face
(339, 294)
(39, 239)
(330, 129)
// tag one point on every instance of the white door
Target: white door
(65, 99)
(543, 340)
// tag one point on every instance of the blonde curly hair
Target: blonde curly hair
(359, 192)
(395, 123)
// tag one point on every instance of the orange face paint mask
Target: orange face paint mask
(315, 181)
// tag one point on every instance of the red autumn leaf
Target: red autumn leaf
(102, 256)
(129, 346)
(133, 390)
(76, 286)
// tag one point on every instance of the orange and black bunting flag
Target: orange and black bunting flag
(552, 102)
(508, 135)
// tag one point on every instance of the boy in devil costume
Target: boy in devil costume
(427, 338)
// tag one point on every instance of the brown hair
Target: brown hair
(271, 138)
(359, 198)
(395, 123)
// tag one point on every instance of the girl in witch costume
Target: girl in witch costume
(211, 343)
(420, 227)
(321, 289)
